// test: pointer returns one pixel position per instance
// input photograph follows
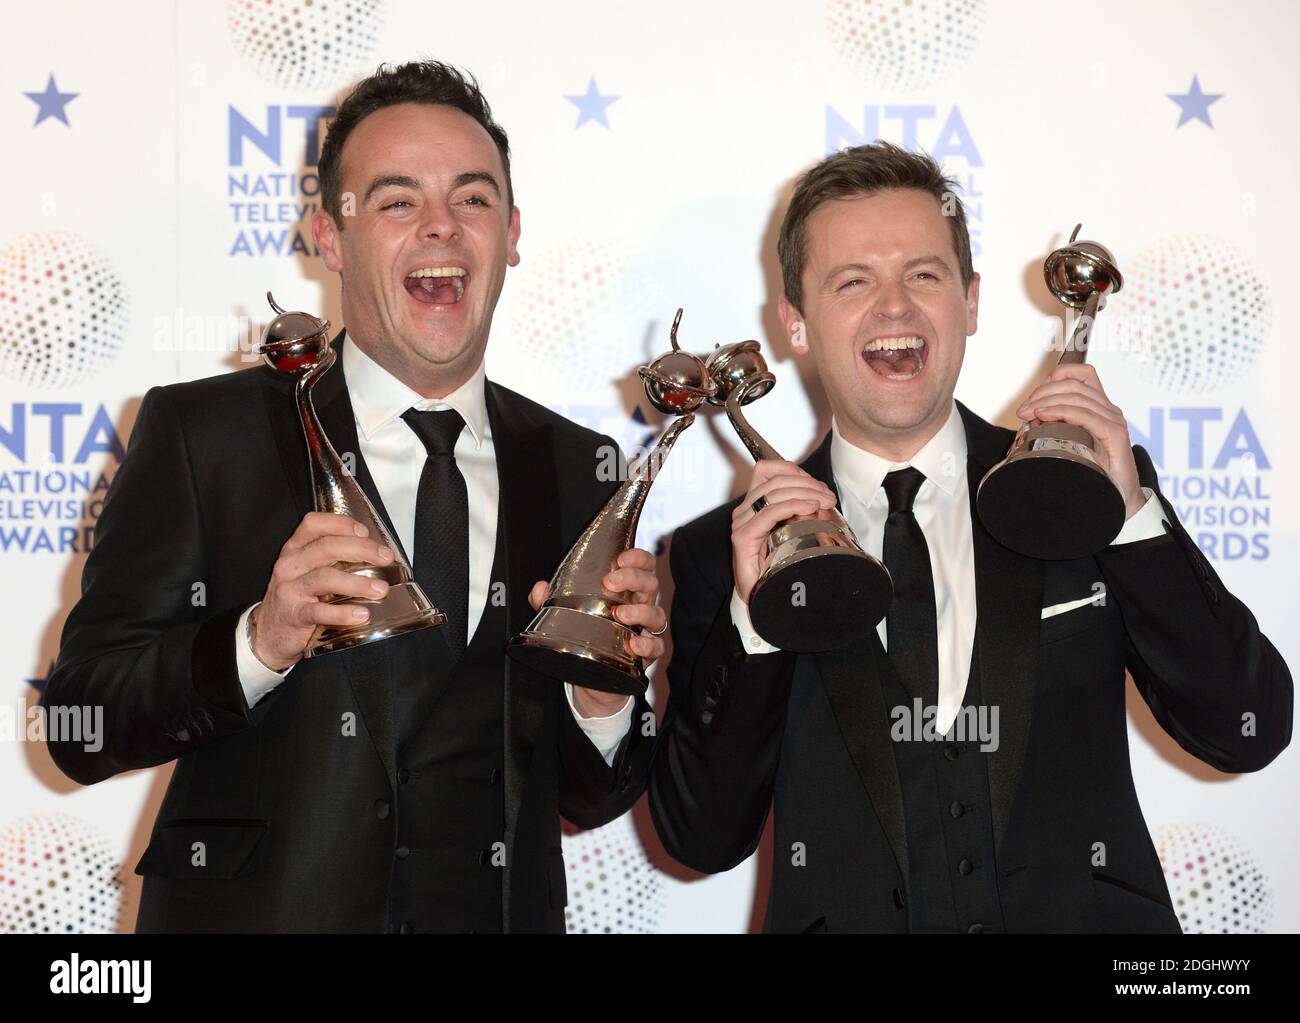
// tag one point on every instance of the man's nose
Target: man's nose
(892, 300)
(438, 222)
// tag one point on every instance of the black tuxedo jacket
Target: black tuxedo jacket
(285, 795)
(810, 733)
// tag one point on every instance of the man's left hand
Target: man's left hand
(1072, 394)
(633, 573)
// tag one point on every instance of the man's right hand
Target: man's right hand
(304, 573)
(789, 491)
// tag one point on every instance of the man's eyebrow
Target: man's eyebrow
(390, 181)
(921, 260)
(480, 177)
(847, 266)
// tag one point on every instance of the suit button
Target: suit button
(402, 852)
(975, 929)
(956, 809)
(403, 776)
(898, 898)
(965, 868)
(381, 809)
(495, 776)
(950, 752)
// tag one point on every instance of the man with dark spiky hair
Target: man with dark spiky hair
(964, 766)
(410, 785)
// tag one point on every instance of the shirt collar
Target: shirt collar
(379, 398)
(942, 460)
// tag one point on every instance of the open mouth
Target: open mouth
(437, 285)
(896, 358)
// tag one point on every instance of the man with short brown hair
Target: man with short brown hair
(948, 771)
(410, 785)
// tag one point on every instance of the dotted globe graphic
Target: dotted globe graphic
(63, 310)
(1196, 314)
(305, 44)
(613, 888)
(904, 44)
(579, 314)
(58, 875)
(1214, 880)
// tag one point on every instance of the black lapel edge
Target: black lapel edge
(1008, 597)
(851, 679)
(528, 502)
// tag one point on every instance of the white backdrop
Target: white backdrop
(160, 177)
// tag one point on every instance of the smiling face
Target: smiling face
(885, 316)
(425, 255)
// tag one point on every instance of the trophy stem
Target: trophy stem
(324, 461)
(613, 530)
(1076, 350)
(758, 447)
(575, 636)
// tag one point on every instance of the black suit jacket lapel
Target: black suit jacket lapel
(851, 677)
(368, 667)
(1009, 591)
(529, 504)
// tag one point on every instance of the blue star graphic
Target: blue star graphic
(39, 683)
(51, 102)
(1194, 104)
(591, 105)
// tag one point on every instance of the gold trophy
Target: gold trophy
(575, 636)
(819, 590)
(297, 345)
(1051, 497)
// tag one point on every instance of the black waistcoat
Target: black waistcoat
(950, 846)
(447, 870)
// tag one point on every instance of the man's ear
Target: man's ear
(326, 236)
(972, 305)
(512, 253)
(793, 323)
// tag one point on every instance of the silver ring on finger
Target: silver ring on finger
(758, 504)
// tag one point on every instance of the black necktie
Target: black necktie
(442, 523)
(911, 627)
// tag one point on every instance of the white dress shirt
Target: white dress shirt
(942, 510)
(395, 457)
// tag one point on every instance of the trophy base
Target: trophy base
(1050, 505)
(845, 592)
(404, 608)
(585, 649)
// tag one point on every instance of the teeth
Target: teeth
(438, 271)
(893, 344)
